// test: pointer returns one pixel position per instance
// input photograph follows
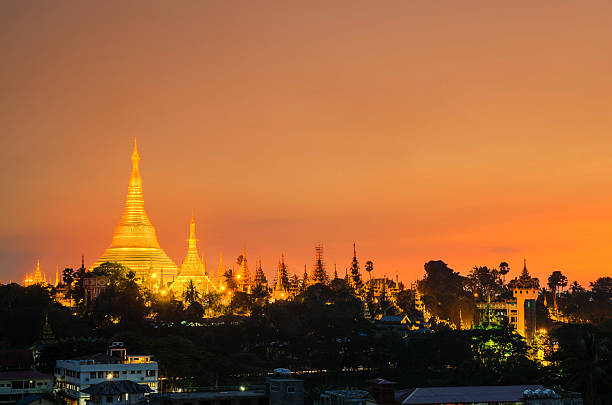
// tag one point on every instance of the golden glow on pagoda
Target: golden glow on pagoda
(192, 268)
(35, 278)
(134, 243)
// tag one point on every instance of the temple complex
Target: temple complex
(134, 243)
(192, 268)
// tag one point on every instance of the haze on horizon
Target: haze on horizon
(471, 132)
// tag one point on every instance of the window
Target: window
(150, 373)
(133, 372)
(115, 374)
(124, 372)
(92, 374)
(109, 399)
(17, 385)
(100, 374)
(291, 389)
(274, 388)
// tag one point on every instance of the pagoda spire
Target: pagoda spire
(192, 265)
(134, 242)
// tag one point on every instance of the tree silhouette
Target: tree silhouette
(504, 268)
(369, 267)
(191, 293)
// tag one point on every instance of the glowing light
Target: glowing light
(242, 388)
(109, 376)
(134, 243)
(154, 275)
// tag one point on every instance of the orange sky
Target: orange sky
(472, 131)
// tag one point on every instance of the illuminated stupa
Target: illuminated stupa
(135, 242)
(35, 278)
(192, 268)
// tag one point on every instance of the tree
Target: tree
(576, 288)
(483, 281)
(230, 280)
(68, 278)
(191, 293)
(556, 280)
(584, 356)
(603, 285)
(504, 268)
(369, 267)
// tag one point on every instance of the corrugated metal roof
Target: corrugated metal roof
(442, 395)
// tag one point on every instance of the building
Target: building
(72, 377)
(16, 384)
(483, 395)
(36, 399)
(192, 268)
(122, 392)
(134, 243)
(93, 285)
(37, 277)
(280, 389)
(19, 379)
(217, 397)
(283, 389)
(519, 313)
(346, 397)
(525, 293)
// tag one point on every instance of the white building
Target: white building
(16, 384)
(73, 376)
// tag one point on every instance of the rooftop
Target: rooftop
(117, 387)
(442, 395)
(29, 374)
(209, 395)
(16, 358)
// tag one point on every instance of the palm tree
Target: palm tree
(369, 266)
(556, 280)
(503, 270)
(191, 293)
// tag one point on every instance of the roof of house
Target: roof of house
(210, 395)
(100, 358)
(443, 395)
(28, 374)
(115, 387)
(16, 358)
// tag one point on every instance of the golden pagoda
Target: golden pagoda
(35, 278)
(192, 268)
(134, 243)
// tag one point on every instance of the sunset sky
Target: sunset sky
(468, 131)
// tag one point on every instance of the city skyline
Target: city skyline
(282, 127)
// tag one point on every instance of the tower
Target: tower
(35, 278)
(318, 274)
(134, 243)
(355, 275)
(281, 288)
(525, 293)
(260, 277)
(192, 268)
(244, 275)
